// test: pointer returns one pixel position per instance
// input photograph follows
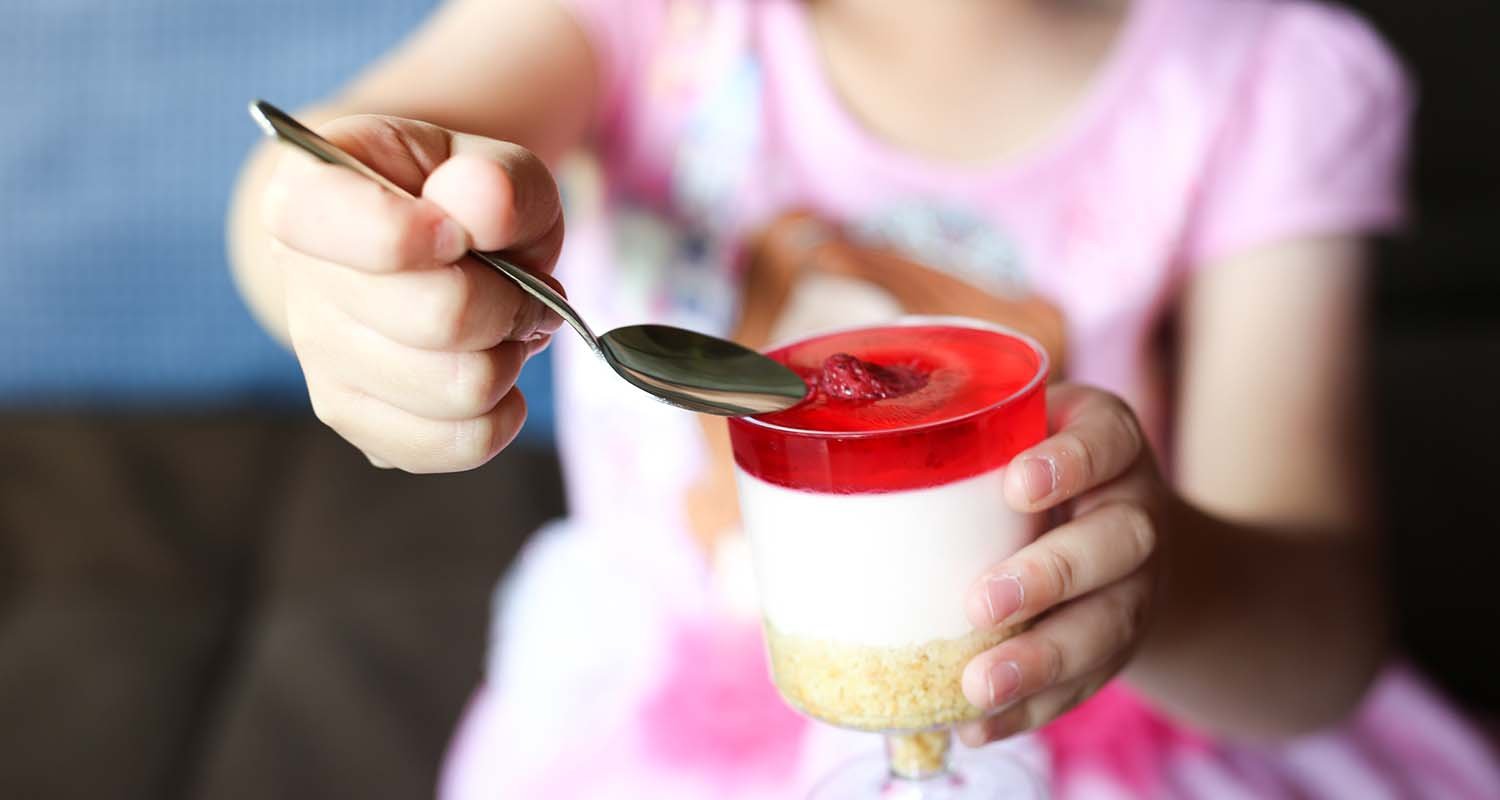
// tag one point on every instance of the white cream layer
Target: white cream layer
(884, 570)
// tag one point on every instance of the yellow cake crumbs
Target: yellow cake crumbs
(918, 755)
(910, 688)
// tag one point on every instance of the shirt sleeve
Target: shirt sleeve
(1315, 144)
(619, 32)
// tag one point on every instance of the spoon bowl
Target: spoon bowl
(700, 373)
(685, 368)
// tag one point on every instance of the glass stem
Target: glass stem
(918, 756)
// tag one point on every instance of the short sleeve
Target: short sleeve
(1315, 142)
(620, 33)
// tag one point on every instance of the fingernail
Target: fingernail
(537, 345)
(1004, 680)
(1003, 596)
(550, 323)
(1038, 477)
(451, 242)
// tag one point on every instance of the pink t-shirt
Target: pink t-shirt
(1215, 126)
(625, 667)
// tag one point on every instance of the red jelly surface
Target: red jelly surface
(969, 399)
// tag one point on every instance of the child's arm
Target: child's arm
(409, 350)
(1248, 600)
(1272, 617)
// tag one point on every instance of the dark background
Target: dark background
(1436, 355)
(204, 593)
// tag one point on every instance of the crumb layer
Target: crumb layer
(910, 688)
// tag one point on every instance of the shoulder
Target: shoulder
(1261, 70)
(1294, 82)
(1324, 48)
(1294, 48)
(1309, 134)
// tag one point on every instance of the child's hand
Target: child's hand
(1088, 584)
(411, 350)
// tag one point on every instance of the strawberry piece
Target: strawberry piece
(845, 377)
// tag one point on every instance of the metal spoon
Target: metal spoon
(690, 370)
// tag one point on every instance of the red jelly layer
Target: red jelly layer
(982, 402)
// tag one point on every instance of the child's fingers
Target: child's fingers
(1075, 640)
(1097, 440)
(1089, 552)
(504, 196)
(436, 385)
(405, 151)
(462, 306)
(476, 192)
(415, 444)
(331, 213)
(1033, 712)
(537, 345)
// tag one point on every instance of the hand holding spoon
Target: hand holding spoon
(684, 368)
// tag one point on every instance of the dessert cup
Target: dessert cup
(870, 510)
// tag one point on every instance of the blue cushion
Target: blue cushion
(124, 126)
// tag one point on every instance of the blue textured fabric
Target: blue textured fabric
(124, 126)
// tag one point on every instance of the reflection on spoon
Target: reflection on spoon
(690, 370)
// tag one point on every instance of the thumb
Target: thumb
(504, 196)
(329, 213)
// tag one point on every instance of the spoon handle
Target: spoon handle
(284, 127)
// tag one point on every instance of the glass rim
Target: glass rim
(1044, 367)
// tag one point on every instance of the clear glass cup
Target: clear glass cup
(866, 539)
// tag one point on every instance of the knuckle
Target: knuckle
(1084, 455)
(1114, 404)
(1121, 428)
(1059, 575)
(1115, 427)
(520, 159)
(526, 314)
(532, 172)
(1050, 661)
(1141, 530)
(478, 383)
(383, 133)
(473, 442)
(406, 234)
(315, 338)
(310, 342)
(1137, 613)
(328, 407)
(1126, 617)
(1127, 427)
(445, 309)
(282, 255)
